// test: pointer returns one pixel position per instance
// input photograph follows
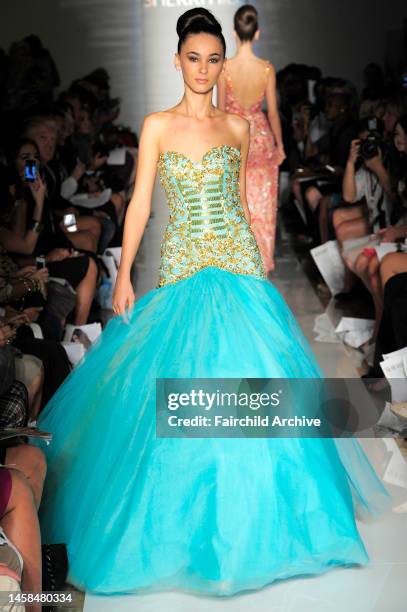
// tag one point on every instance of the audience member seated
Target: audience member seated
(28, 200)
(43, 131)
(364, 222)
(20, 533)
(50, 264)
(381, 206)
(324, 161)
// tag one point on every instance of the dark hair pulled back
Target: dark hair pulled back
(196, 21)
(246, 22)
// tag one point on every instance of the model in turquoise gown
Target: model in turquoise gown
(215, 516)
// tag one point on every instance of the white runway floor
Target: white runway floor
(378, 587)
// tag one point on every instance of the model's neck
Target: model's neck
(244, 49)
(196, 105)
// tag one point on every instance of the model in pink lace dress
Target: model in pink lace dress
(262, 172)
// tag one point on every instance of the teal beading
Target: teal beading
(207, 226)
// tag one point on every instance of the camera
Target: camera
(370, 146)
(70, 222)
(30, 170)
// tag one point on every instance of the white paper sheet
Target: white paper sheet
(92, 330)
(330, 264)
(355, 332)
(401, 353)
(74, 350)
(394, 369)
(324, 329)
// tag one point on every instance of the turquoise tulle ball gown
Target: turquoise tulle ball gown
(215, 516)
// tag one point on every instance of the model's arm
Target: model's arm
(244, 150)
(272, 113)
(138, 212)
(221, 92)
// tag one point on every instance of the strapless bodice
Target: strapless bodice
(207, 226)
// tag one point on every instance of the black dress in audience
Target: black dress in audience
(392, 334)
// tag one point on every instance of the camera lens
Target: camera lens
(369, 148)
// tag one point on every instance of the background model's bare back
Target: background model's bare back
(248, 77)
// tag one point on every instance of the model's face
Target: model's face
(400, 139)
(201, 61)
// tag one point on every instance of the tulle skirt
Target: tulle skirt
(217, 516)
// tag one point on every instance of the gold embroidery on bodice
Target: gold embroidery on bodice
(207, 226)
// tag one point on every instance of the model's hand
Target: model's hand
(280, 155)
(123, 297)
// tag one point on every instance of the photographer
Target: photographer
(364, 226)
(367, 191)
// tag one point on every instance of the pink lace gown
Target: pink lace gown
(262, 173)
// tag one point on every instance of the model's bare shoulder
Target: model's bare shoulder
(238, 125)
(270, 67)
(155, 122)
(154, 126)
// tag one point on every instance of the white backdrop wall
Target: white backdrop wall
(83, 35)
(135, 39)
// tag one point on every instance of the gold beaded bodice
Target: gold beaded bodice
(207, 226)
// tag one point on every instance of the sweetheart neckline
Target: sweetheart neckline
(201, 161)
